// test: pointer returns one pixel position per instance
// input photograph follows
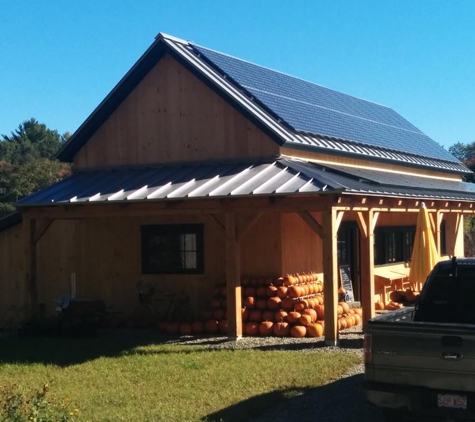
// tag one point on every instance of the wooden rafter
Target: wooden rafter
(312, 223)
(217, 223)
(246, 225)
(41, 229)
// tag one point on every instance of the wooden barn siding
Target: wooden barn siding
(105, 255)
(12, 277)
(172, 116)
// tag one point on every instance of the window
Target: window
(443, 240)
(393, 244)
(173, 249)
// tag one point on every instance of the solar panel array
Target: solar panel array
(311, 108)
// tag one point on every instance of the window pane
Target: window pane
(190, 259)
(190, 242)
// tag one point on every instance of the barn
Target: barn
(200, 168)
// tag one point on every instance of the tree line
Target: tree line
(27, 162)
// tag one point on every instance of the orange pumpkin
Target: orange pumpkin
(251, 329)
(281, 329)
(223, 326)
(343, 322)
(397, 296)
(315, 330)
(219, 314)
(216, 304)
(300, 305)
(250, 291)
(345, 307)
(289, 280)
(197, 327)
(268, 316)
(293, 317)
(339, 310)
(298, 331)
(261, 304)
(250, 302)
(305, 320)
(311, 312)
(282, 291)
(211, 326)
(293, 291)
(279, 281)
(320, 299)
(271, 291)
(266, 328)
(378, 306)
(273, 303)
(322, 323)
(287, 304)
(281, 316)
(208, 314)
(255, 316)
(245, 314)
(357, 319)
(261, 291)
(320, 311)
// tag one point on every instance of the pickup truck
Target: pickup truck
(420, 360)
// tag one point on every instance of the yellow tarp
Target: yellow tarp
(424, 253)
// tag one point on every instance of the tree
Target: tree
(27, 162)
(466, 154)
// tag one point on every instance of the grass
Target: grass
(125, 380)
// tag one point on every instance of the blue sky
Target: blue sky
(59, 59)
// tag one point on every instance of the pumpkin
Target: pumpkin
(172, 328)
(219, 314)
(185, 329)
(289, 280)
(322, 323)
(251, 329)
(268, 316)
(197, 327)
(261, 291)
(293, 317)
(216, 291)
(271, 291)
(261, 281)
(341, 291)
(410, 296)
(315, 330)
(261, 304)
(300, 305)
(311, 312)
(345, 306)
(293, 291)
(208, 314)
(305, 320)
(320, 311)
(273, 303)
(216, 304)
(339, 310)
(250, 291)
(269, 281)
(282, 291)
(298, 331)
(223, 326)
(266, 328)
(378, 306)
(211, 326)
(320, 287)
(250, 302)
(343, 322)
(279, 281)
(287, 304)
(255, 316)
(281, 329)
(281, 316)
(358, 311)
(245, 314)
(320, 299)
(357, 319)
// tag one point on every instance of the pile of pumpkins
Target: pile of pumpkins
(289, 306)
(398, 299)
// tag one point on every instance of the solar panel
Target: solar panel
(311, 108)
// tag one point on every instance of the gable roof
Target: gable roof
(293, 112)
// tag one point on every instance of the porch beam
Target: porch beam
(216, 222)
(330, 275)
(233, 277)
(439, 217)
(41, 229)
(367, 267)
(312, 223)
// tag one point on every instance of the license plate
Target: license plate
(452, 400)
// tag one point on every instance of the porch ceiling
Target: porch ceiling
(282, 176)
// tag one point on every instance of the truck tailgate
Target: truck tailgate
(437, 356)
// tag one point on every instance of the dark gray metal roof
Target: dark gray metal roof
(311, 108)
(293, 112)
(10, 220)
(283, 176)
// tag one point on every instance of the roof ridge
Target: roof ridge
(191, 43)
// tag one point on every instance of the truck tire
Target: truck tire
(393, 415)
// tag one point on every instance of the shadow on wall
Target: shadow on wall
(338, 401)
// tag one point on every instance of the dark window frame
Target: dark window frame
(393, 244)
(443, 238)
(148, 232)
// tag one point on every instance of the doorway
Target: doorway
(349, 253)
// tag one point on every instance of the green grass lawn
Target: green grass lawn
(126, 380)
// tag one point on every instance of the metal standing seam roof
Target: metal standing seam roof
(283, 176)
(296, 113)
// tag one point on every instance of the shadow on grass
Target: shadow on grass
(334, 402)
(114, 343)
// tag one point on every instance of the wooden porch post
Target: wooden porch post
(366, 226)
(30, 262)
(233, 277)
(330, 275)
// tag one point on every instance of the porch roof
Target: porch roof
(266, 177)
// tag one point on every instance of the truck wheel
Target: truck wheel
(393, 415)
